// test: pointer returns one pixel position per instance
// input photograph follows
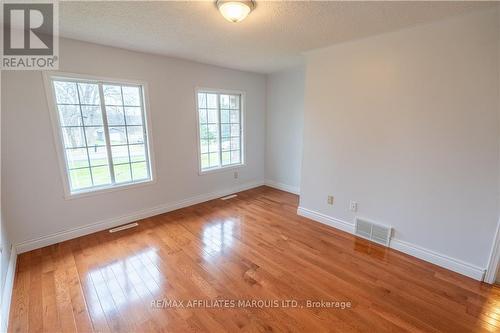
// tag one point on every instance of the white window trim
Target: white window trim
(242, 125)
(58, 139)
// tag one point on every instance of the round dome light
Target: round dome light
(235, 11)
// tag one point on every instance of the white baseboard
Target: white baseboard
(283, 187)
(433, 257)
(325, 219)
(494, 260)
(131, 217)
(7, 291)
(439, 259)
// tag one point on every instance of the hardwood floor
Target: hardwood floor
(252, 247)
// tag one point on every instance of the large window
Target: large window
(220, 129)
(103, 132)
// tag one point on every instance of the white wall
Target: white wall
(498, 192)
(32, 186)
(284, 125)
(5, 257)
(406, 124)
(6, 263)
(7, 269)
(496, 249)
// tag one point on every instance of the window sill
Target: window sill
(106, 189)
(222, 169)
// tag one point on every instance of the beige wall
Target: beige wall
(406, 124)
(284, 124)
(33, 191)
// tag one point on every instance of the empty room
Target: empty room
(250, 166)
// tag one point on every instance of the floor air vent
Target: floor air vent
(375, 232)
(123, 227)
(229, 197)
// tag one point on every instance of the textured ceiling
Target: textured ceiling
(271, 38)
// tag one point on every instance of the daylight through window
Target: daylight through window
(103, 131)
(220, 130)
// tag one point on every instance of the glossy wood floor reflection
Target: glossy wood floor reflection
(250, 247)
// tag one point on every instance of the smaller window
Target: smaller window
(103, 132)
(220, 130)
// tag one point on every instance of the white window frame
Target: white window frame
(242, 129)
(48, 77)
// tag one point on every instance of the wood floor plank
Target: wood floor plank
(50, 304)
(71, 286)
(252, 248)
(93, 305)
(35, 314)
(20, 301)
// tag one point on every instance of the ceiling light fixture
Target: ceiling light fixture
(235, 10)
